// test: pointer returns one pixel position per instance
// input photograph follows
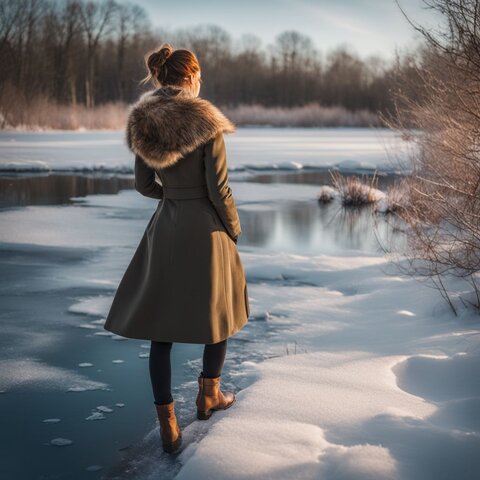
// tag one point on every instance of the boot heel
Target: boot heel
(172, 447)
(201, 415)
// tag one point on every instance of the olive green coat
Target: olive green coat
(185, 282)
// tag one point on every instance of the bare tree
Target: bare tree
(443, 211)
(96, 20)
(130, 19)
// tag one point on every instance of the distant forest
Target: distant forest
(91, 53)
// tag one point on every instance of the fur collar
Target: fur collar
(167, 123)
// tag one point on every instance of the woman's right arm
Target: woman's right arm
(215, 160)
(145, 182)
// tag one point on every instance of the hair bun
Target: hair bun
(158, 58)
(163, 53)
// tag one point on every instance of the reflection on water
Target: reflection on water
(321, 177)
(311, 228)
(294, 227)
(21, 190)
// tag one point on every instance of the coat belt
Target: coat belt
(185, 193)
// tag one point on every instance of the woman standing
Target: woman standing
(185, 282)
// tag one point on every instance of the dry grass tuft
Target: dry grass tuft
(356, 191)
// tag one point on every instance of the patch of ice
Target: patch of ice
(96, 416)
(94, 386)
(85, 364)
(87, 326)
(93, 468)
(61, 442)
(51, 420)
(100, 321)
(118, 338)
(120, 405)
(96, 305)
(118, 361)
(104, 333)
(144, 355)
(104, 409)
(15, 373)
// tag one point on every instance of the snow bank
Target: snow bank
(280, 424)
(386, 389)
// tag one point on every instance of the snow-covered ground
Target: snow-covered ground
(249, 148)
(383, 383)
(346, 370)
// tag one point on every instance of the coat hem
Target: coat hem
(176, 339)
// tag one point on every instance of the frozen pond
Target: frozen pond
(65, 240)
(249, 149)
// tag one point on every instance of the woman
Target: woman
(185, 282)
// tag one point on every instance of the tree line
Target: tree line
(79, 52)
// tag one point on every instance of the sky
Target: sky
(370, 27)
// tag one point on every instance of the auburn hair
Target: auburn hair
(167, 66)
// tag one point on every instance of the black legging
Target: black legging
(161, 370)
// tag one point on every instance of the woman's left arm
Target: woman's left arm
(145, 182)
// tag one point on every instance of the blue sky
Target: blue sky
(368, 26)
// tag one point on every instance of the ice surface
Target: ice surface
(23, 373)
(376, 379)
(249, 148)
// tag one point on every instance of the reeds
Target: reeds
(356, 191)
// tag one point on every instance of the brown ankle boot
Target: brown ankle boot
(210, 397)
(170, 432)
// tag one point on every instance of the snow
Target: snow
(371, 377)
(249, 149)
(326, 193)
(382, 392)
